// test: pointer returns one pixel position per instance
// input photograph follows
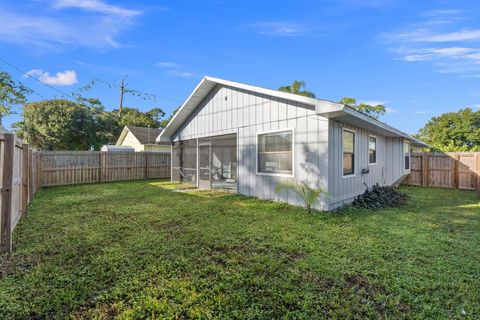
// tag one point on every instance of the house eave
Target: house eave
(355, 118)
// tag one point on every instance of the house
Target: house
(235, 136)
(142, 139)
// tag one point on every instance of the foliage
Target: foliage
(136, 250)
(65, 125)
(453, 131)
(308, 194)
(372, 111)
(11, 93)
(135, 117)
(378, 197)
(296, 88)
(164, 122)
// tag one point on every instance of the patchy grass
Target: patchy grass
(137, 250)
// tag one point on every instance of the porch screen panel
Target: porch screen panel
(184, 161)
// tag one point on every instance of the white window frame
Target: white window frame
(409, 155)
(293, 153)
(376, 150)
(354, 153)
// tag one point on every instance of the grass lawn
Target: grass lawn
(136, 250)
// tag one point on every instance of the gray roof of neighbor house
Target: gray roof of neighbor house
(325, 108)
(143, 135)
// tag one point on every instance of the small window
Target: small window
(275, 152)
(406, 155)
(348, 152)
(372, 150)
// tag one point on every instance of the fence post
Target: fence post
(146, 165)
(102, 165)
(7, 185)
(476, 165)
(24, 178)
(456, 175)
(31, 181)
(38, 173)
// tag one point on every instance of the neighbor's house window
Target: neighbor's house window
(372, 150)
(406, 155)
(275, 152)
(348, 152)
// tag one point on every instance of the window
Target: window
(275, 153)
(406, 155)
(372, 150)
(348, 152)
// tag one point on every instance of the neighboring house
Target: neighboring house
(142, 139)
(246, 138)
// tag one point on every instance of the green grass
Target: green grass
(136, 250)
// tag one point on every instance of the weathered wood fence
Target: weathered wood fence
(23, 171)
(77, 167)
(459, 170)
(20, 180)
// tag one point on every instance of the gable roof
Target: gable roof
(142, 134)
(329, 109)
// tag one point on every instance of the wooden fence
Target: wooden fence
(77, 167)
(19, 168)
(23, 171)
(459, 170)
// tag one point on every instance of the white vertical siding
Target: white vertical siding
(252, 113)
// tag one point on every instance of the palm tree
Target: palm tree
(296, 88)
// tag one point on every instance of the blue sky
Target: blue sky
(419, 58)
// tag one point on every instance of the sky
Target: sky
(418, 58)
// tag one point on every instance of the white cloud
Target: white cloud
(450, 46)
(65, 78)
(278, 29)
(422, 112)
(95, 6)
(182, 74)
(95, 26)
(463, 35)
(167, 64)
(390, 110)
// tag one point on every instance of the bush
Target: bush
(308, 194)
(378, 197)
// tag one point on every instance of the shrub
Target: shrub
(308, 195)
(378, 197)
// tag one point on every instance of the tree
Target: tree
(453, 131)
(296, 88)
(372, 111)
(135, 117)
(11, 93)
(59, 124)
(164, 122)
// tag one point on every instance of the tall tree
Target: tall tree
(64, 125)
(135, 117)
(373, 111)
(164, 122)
(453, 131)
(11, 93)
(297, 87)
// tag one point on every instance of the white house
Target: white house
(142, 139)
(235, 136)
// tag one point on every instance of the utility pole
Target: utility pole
(122, 91)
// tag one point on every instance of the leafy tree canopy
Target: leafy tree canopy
(453, 131)
(372, 111)
(11, 93)
(164, 122)
(297, 87)
(59, 124)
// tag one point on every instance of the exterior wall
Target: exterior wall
(395, 163)
(230, 110)
(131, 141)
(387, 170)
